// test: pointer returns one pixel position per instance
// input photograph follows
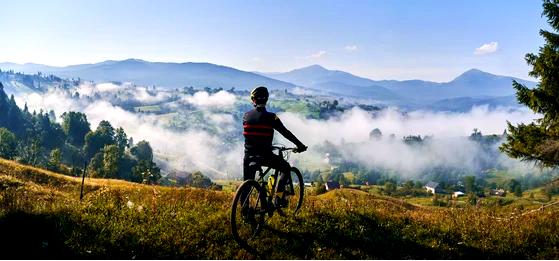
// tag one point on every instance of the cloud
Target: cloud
(354, 125)
(487, 48)
(213, 143)
(187, 150)
(256, 59)
(127, 91)
(318, 54)
(204, 99)
(313, 56)
(450, 146)
(351, 48)
(304, 91)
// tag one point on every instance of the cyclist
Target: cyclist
(258, 130)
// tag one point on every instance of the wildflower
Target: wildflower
(130, 204)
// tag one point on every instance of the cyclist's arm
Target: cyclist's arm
(278, 125)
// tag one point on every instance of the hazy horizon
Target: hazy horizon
(528, 78)
(429, 40)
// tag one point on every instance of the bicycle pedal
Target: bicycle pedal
(280, 212)
(280, 202)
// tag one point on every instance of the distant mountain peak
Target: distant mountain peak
(473, 74)
(475, 71)
(133, 60)
(314, 67)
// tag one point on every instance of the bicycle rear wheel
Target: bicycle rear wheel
(295, 191)
(248, 212)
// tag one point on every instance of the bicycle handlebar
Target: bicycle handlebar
(282, 148)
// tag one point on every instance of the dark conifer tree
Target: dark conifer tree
(539, 141)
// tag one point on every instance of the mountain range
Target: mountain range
(170, 75)
(472, 83)
(470, 88)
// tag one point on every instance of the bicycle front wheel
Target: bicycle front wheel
(248, 212)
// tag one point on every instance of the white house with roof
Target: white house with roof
(431, 187)
(457, 194)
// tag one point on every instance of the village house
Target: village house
(457, 194)
(498, 192)
(331, 185)
(431, 187)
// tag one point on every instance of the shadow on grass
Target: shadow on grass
(34, 236)
(374, 241)
(58, 236)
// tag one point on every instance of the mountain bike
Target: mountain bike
(254, 200)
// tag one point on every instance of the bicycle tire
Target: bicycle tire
(243, 232)
(297, 187)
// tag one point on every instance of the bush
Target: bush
(472, 198)
(320, 189)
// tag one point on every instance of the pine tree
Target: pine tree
(539, 141)
(8, 144)
(121, 140)
(55, 160)
(3, 106)
(75, 126)
(111, 158)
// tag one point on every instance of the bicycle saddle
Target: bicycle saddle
(255, 162)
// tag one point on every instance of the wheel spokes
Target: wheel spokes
(248, 216)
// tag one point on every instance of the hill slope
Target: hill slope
(472, 83)
(18, 83)
(171, 75)
(41, 217)
(338, 82)
(316, 74)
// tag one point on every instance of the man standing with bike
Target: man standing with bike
(258, 130)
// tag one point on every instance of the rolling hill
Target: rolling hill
(316, 74)
(473, 87)
(371, 92)
(472, 83)
(41, 217)
(170, 75)
(464, 104)
(19, 83)
(336, 82)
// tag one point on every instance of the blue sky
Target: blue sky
(397, 39)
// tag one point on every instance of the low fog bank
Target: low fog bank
(446, 139)
(218, 153)
(356, 124)
(190, 150)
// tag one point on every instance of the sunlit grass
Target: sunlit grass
(41, 217)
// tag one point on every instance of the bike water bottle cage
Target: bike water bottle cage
(270, 184)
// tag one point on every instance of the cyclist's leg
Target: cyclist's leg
(248, 173)
(277, 162)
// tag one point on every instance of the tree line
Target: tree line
(35, 138)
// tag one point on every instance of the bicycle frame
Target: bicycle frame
(262, 182)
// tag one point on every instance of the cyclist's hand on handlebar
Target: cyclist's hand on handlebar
(300, 149)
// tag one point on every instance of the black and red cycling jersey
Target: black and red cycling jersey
(258, 129)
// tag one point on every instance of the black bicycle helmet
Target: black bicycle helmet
(259, 95)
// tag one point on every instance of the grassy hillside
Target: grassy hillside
(41, 217)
